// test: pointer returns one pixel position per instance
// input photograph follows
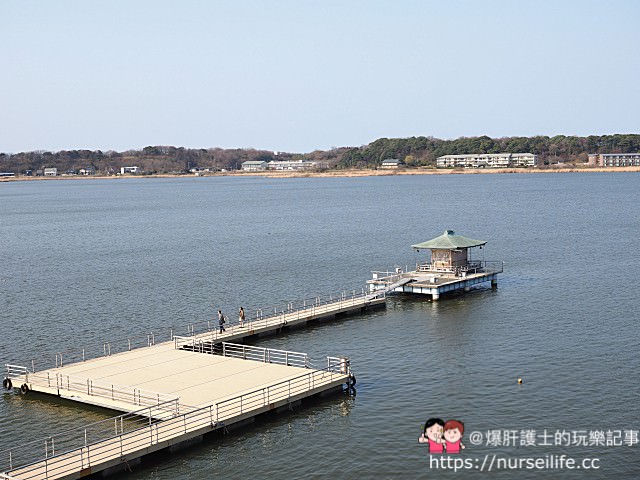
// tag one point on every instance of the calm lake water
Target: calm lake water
(89, 261)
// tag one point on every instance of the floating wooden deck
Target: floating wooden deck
(175, 395)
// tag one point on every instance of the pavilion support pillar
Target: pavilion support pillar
(494, 283)
(435, 296)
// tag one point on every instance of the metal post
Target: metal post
(83, 354)
(129, 340)
(33, 366)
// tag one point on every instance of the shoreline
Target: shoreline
(339, 173)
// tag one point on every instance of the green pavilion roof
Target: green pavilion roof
(449, 241)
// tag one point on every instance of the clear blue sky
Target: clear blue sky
(303, 75)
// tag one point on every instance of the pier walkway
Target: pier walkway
(204, 335)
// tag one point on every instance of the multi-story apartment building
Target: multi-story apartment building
(615, 159)
(488, 160)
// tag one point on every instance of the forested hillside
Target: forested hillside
(415, 151)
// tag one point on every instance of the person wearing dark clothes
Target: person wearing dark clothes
(221, 321)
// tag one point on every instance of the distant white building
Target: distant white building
(254, 166)
(50, 172)
(615, 159)
(124, 170)
(391, 164)
(87, 171)
(488, 160)
(291, 165)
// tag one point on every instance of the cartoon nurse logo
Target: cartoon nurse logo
(443, 437)
(453, 431)
(433, 435)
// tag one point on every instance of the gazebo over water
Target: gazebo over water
(449, 253)
(448, 269)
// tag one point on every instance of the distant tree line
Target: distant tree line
(414, 151)
(152, 159)
(424, 151)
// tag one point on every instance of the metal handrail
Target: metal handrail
(260, 354)
(266, 355)
(125, 394)
(67, 441)
(479, 266)
(13, 371)
(212, 416)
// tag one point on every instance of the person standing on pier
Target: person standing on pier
(221, 321)
(241, 317)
